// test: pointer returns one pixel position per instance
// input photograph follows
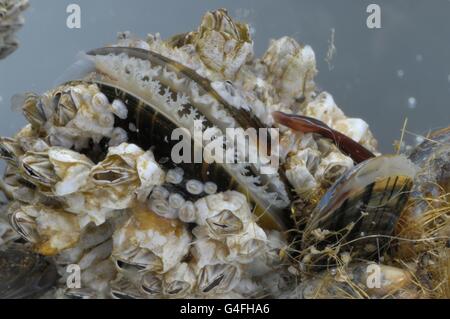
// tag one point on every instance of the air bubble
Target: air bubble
(412, 102)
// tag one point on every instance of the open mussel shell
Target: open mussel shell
(360, 211)
(24, 274)
(186, 76)
(189, 96)
(152, 129)
(435, 142)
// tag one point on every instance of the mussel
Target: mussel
(432, 156)
(357, 281)
(360, 211)
(24, 274)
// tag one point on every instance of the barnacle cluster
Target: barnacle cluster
(10, 21)
(90, 181)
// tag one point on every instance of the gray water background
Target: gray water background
(365, 79)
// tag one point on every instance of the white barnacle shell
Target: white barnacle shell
(151, 284)
(324, 108)
(93, 117)
(94, 245)
(50, 230)
(244, 247)
(230, 94)
(128, 153)
(229, 201)
(159, 192)
(14, 187)
(126, 172)
(220, 226)
(271, 259)
(149, 234)
(249, 287)
(119, 109)
(125, 39)
(163, 208)
(301, 179)
(187, 212)
(7, 233)
(194, 186)
(357, 130)
(37, 168)
(115, 178)
(176, 200)
(174, 176)
(180, 281)
(29, 140)
(207, 251)
(125, 287)
(210, 188)
(36, 109)
(23, 220)
(300, 170)
(32, 144)
(218, 278)
(70, 115)
(96, 254)
(92, 254)
(150, 174)
(90, 206)
(65, 101)
(118, 136)
(332, 166)
(222, 44)
(99, 101)
(291, 68)
(98, 276)
(72, 169)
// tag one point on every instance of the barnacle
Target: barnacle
(10, 21)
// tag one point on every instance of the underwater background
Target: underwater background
(380, 75)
